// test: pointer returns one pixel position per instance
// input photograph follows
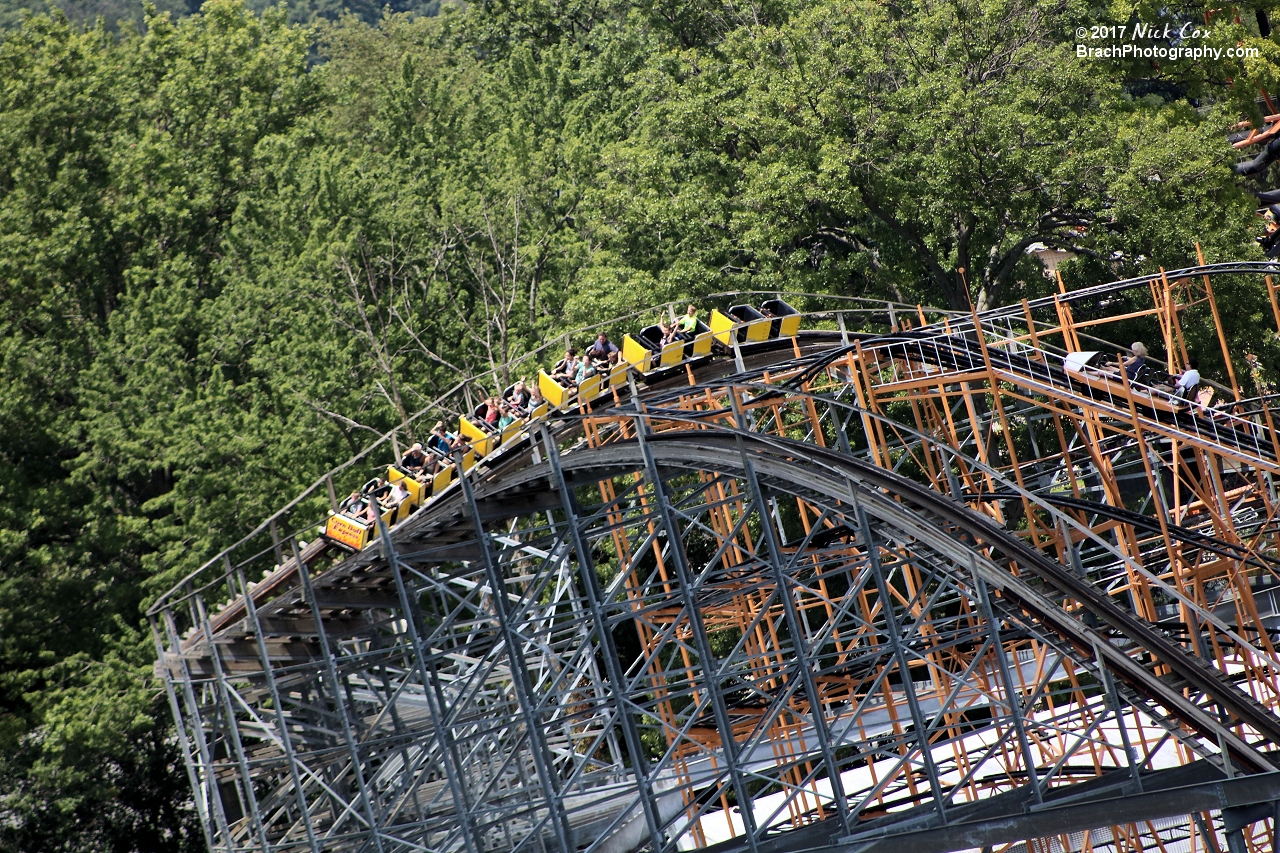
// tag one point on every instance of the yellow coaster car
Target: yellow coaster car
(355, 532)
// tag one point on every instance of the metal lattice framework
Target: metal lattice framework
(910, 587)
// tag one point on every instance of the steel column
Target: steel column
(347, 735)
(519, 670)
(595, 599)
(687, 585)
(435, 701)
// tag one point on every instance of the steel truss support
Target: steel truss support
(812, 710)
(519, 674)
(924, 592)
(625, 714)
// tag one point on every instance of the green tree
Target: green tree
(233, 249)
(867, 148)
(123, 161)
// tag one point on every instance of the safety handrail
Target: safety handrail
(952, 351)
(187, 585)
(957, 324)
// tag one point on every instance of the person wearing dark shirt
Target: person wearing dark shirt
(376, 489)
(603, 351)
(414, 460)
(360, 507)
(668, 332)
(1133, 364)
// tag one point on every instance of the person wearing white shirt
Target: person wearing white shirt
(1188, 381)
(399, 494)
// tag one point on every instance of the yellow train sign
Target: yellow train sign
(349, 532)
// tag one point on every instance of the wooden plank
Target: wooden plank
(281, 579)
(305, 626)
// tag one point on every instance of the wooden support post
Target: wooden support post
(1275, 306)
(1028, 510)
(333, 496)
(1069, 338)
(1217, 325)
(1143, 602)
(1175, 324)
(1031, 324)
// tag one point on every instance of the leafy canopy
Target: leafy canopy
(233, 248)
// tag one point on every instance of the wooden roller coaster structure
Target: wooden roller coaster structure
(898, 580)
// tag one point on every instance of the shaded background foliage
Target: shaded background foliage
(236, 242)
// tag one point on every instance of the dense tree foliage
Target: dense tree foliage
(233, 247)
(128, 15)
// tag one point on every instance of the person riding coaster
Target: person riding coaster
(431, 465)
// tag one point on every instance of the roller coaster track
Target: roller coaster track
(912, 588)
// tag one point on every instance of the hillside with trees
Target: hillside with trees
(130, 15)
(237, 242)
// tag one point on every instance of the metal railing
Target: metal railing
(260, 548)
